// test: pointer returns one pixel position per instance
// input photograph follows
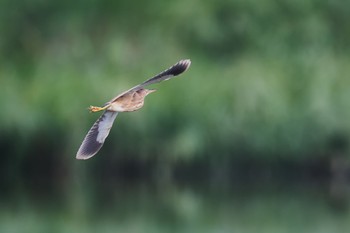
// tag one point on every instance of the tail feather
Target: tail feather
(96, 136)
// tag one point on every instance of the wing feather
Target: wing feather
(173, 71)
(96, 136)
(167, 74)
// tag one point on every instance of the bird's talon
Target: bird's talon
(95, 109)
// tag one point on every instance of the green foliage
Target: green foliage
(212, 208)
(267, 78)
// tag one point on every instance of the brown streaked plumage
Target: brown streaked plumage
(128, 101)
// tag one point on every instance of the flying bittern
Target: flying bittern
(128, 101)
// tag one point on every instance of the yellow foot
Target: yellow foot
(97, 109)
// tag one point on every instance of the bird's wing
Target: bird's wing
(167, 74)
(96, 136)
(173, 71)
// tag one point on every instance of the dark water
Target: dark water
(187, 206)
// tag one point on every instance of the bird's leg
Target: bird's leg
(97, 109)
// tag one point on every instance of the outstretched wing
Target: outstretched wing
(171, 72)
(96, 136)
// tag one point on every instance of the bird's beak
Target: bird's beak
(151, 91)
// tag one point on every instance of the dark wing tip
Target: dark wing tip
(88, 148)
(180, 67)
(84, 157)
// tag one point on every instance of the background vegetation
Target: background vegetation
(268, 90)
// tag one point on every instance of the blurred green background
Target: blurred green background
(252, 138)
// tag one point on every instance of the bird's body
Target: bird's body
(128, 101)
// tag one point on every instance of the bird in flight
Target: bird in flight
(128, 101)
